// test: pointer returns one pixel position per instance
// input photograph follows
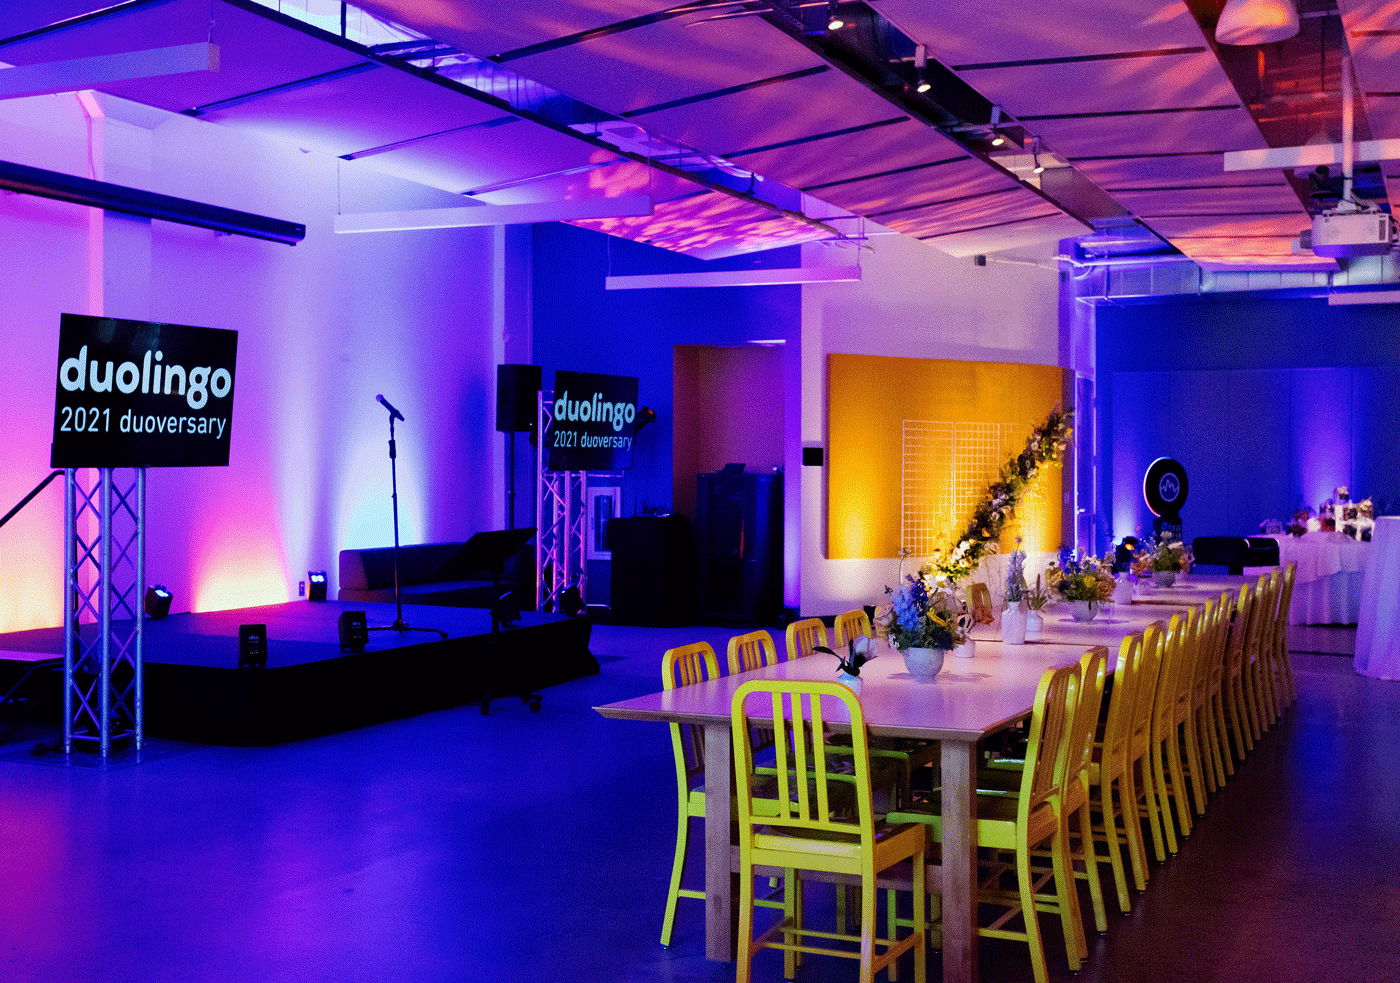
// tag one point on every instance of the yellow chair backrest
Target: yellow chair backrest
(752, 650)
(1118, 722)
(1049, 741)
(1092, 670)
(851, 625)
(806, 782)
(804, 636)
(979, 597)
(687, 665)
(1236, 644)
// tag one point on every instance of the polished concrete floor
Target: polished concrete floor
(536, 847)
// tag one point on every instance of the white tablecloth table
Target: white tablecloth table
(1327, 588)
(1378, 624)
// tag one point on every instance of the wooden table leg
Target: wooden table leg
(959, 861)
(719, 898)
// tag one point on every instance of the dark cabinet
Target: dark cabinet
(739, 538)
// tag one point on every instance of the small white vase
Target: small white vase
(1034, 622)
(1163, 578)
(1123, 590)
(966, 650)
(1083, 610)
(853, 682)
(924, 663)
(1013, 626)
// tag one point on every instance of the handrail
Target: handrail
(26, 499)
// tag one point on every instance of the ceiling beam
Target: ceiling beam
(97, 71)
(1313, 155)
(630, 206)
(736, 278)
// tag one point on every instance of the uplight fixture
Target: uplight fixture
(316, 585)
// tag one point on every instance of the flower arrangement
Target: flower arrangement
(1299, 525)
(1037, 597)
(1076, 578)
(979, 538)
(858, 654)
(924, 613)
(1165, 554)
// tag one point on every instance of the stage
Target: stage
(195, 691)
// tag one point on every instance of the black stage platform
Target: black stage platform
(196, 692)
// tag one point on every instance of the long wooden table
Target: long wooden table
(969, 699)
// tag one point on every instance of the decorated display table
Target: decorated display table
(1327, 589)
(1378, 624)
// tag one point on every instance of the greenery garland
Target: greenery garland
(1044, 446)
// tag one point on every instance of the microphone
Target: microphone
(393, 413)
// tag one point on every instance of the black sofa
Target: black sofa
(432, 573)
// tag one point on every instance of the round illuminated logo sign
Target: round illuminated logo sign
(1165, 487)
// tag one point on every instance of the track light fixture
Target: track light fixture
(833, 18)
(1038, 167)
(997, 139)
(921, 65)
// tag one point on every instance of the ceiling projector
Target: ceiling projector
(1342, 234)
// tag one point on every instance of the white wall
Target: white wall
(323, 327)
(912, 301)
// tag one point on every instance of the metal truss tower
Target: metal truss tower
(105, 570)
(561, 524)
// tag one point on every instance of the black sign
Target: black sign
(594, 420)
(135, 394)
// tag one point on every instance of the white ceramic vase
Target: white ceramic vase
(1034, 622)
(1013, 626)
(1123, 590)
(966, 650)
(1083, 610)
(853, 682)
(1163, 578)
(924, 663)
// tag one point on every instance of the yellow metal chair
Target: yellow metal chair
(752, 650)
(797, 828)
(1026, 819)
(849, 626)
(804, 636)
(686, 666)
(1216, 688)
(1140, 746)
(1251, 676)
(1167, 769)
(1113, 794)
(1263, 661)
(1202, 723)
(1282, 664)
(1076, 814)
(1236, 705)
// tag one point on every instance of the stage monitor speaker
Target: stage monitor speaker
(252, 646)
(353, 627)
(517, 388)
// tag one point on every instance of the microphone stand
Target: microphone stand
(399, 624)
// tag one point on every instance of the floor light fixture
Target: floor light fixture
(316, 585)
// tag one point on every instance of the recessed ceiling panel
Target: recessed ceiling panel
(1249, 199)
(255, 51)
(1006, 30)
(1156, 81)
(1188, 131)
(669, 60)
(361, 111)
(709, 225)
(967, 214)
(489, 27)
(901, 144)
(1245, 227)
(465, 161)
(783, 113)
(21, 18)
(1167, 170)
(921, 186)
(1012, 235)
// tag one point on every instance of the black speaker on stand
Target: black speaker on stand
(517, 399)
